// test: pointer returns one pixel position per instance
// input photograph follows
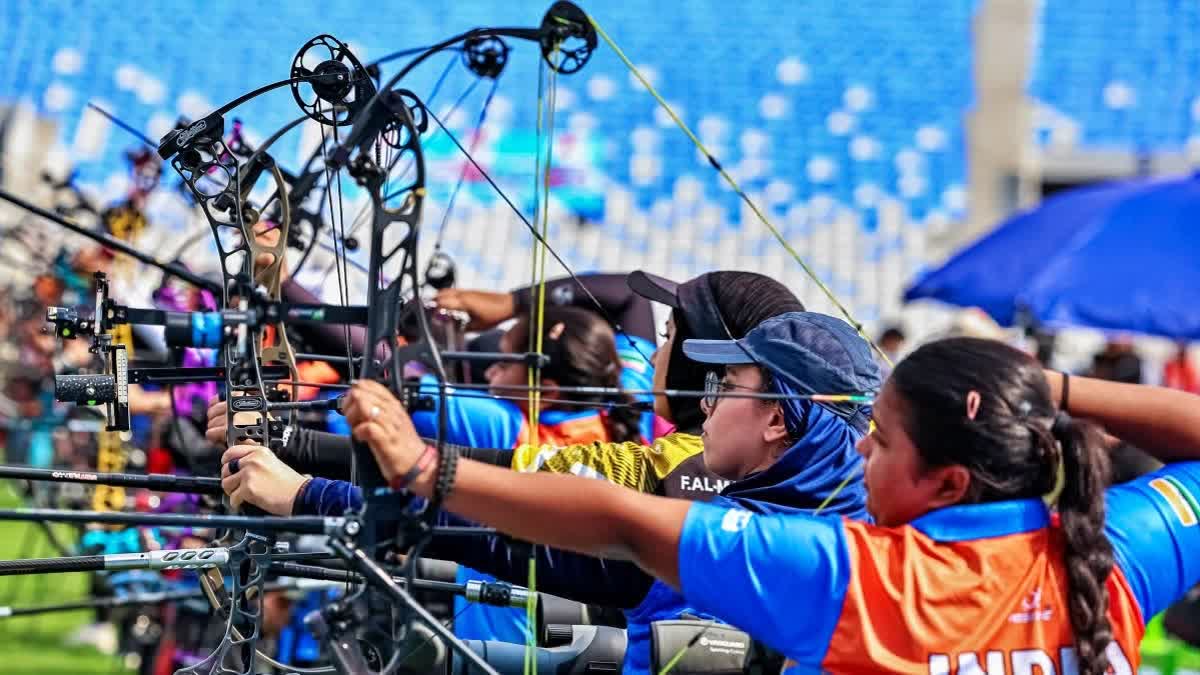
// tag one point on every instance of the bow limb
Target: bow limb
(219, 183)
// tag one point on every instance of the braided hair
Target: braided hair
(1015, 446)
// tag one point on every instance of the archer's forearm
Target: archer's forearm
(1163, 422)
(578, 514)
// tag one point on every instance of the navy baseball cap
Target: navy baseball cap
(813, 353)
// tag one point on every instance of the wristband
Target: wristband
(1066, 391)
(402, 481)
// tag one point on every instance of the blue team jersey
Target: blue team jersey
(979, 588)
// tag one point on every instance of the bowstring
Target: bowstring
(618, 329)
(337, 222)
(758, 212)
(737, 189)
(334, 175)
(462, 174)
(392, 160)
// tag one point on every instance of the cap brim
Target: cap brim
(724, 352)
(654, 287)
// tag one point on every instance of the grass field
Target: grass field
(35, 645)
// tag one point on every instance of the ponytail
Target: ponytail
(623, 421)
(582, 350)
(1088, 555)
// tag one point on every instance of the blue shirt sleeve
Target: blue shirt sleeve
(1154, 525)
(637, 374)
(473, 418)
(325, 497)
(750, 570)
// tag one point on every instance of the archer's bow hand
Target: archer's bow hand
(380, 421)
(486, 308)
(252, 474)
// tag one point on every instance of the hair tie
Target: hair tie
(973, 401)
(1062, 424)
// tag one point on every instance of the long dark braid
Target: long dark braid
(1089, 554)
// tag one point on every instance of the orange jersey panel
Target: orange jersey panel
(996, 605)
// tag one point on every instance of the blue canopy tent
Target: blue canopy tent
(1122, 256)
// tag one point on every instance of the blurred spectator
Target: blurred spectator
(1180, 372)
(1118, 362)
(891, 343)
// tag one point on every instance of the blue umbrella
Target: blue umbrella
(1121, 256)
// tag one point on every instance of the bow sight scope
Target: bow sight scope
(91, 389)
(109, 390)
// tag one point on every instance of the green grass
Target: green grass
(34, 645)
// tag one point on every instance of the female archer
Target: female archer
(996, 544)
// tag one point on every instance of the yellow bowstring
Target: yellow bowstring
(539, 268)
(737, 188)
(774, 232)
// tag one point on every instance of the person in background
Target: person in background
(1118, 362)
(891, 343)
(1180, 373)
